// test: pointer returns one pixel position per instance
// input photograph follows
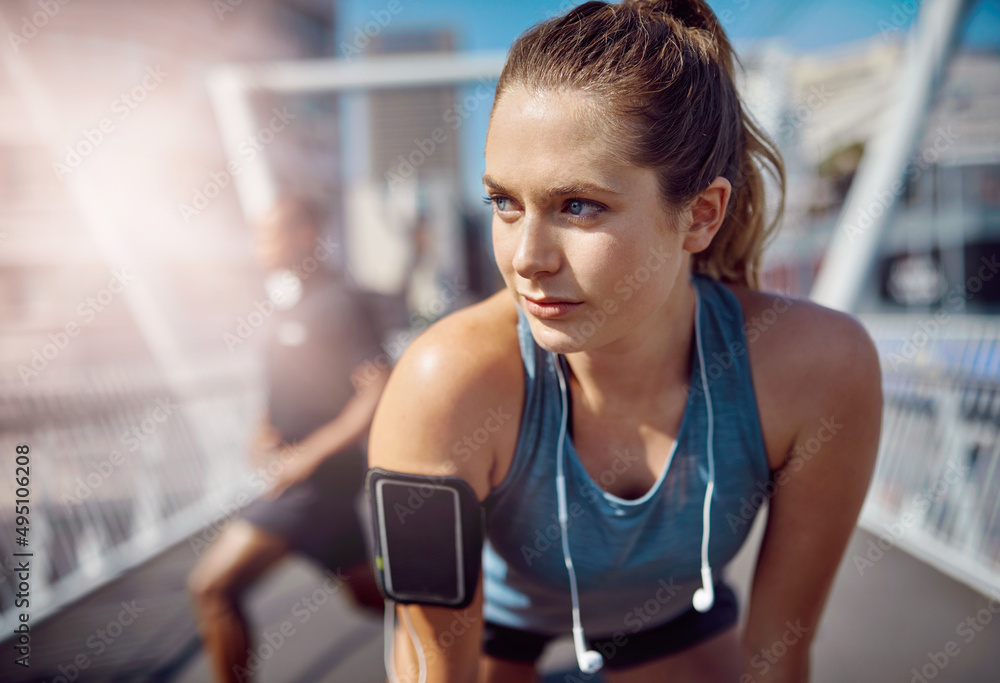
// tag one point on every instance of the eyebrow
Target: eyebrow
(575, 188)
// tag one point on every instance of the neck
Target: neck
(651, 363)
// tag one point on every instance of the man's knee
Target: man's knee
(211, 585)
(229, 566)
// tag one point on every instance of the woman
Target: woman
(649, 386)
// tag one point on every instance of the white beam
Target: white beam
(879, 181)
(371, 73)
(254, 185)
(230, 86)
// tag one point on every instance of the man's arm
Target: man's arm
(265, 440)
(347, 427)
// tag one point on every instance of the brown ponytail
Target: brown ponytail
(664, 70)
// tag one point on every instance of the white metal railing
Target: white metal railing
(936, 488)
(121, 468)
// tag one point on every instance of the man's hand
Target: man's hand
(296, 467)
(265, 441)
(267, 449)
(299, 460)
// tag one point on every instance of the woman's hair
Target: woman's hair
(663, 75)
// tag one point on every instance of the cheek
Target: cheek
(504, 246)
(605, 261)
(598, 262)
(634, 278)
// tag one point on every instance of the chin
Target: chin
(560, 337)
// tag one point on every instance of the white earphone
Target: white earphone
(389, 632)
(704, 597)
(590, 661)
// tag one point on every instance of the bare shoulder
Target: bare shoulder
(807, 362)
(453, 402)
(806, 338)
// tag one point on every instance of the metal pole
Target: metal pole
(879, 181)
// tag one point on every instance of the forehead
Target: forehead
(558, 138)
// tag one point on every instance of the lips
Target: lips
(549, 307)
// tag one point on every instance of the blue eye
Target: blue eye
(501, 203)
(579, 207)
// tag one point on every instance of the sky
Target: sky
(805, 25)
(801, 26)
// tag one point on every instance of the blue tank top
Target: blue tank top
(637, 561)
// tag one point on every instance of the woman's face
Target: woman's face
(581, 237)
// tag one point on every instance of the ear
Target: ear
(705, 214)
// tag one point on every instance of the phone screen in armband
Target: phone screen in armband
(421, 542)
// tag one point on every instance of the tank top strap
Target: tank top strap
(535, 410)
(529, 349)
(727, 371)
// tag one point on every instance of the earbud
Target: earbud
(704, 597)
(589, 661)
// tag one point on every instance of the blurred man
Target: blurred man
(319, 410)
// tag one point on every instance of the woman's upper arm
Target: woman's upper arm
(440, 392)
(444, 389)
(817, 496)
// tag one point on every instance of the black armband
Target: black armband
(427, 536)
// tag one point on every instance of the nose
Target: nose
(538, 252)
